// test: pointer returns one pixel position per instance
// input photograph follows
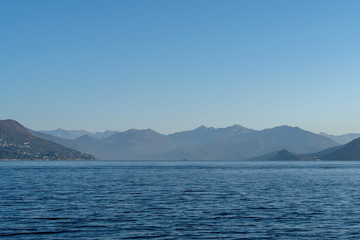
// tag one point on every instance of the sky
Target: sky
(176, 65)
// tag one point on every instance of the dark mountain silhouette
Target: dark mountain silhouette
(16, 142)
(350, 151)
(284, 155)
(320, 154)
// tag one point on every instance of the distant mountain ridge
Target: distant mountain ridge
(131, 145)
(16, 142)
(73, 134)
(342, 139)
(251, 143)
(187, 136)
(204, 134)
(69, 144)
(203, 143)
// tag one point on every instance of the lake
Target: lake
(179, 200)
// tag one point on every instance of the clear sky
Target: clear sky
(176, 65)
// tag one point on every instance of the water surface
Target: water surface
(179, 200)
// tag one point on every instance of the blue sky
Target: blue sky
(176, 65)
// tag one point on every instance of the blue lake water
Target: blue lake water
(179, 200)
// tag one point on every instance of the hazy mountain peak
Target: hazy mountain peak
(84, 137)
(74, 134)
(239, 127)
(66, 134)
(136, 134)
(142, 131)
(342, 139)
(285, 127)
(131, 130)
(150, 130)
(203, 128)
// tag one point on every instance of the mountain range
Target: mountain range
(189, 136)
(346, 152)
(203, 143)
(16, 142)
(342, 139)
(73, 134)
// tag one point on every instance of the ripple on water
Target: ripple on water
(179, 200)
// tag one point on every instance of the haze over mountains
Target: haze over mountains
(73, 134)
(347, 152)
(204, 143)
(342, 139)
(190, 135)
